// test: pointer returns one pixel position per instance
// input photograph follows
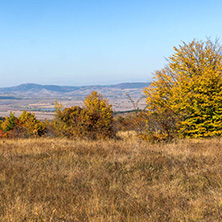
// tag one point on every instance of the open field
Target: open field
(66, 180)
(44, 108)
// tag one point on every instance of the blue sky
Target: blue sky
(84, 42)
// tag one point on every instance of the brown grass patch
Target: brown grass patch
(64, 180)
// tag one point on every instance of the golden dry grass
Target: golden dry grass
(65, 180)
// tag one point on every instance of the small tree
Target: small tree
(190, 89)
(9, 123)
(11, 127)
(93, 121)
(71, 122)
(32, 125)
(137, 118)
(99, 116)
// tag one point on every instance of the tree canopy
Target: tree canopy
(190, 89)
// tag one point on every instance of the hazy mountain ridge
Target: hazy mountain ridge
(37, 90)
(37, 87)
(39, 98)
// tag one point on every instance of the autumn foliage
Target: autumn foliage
(26, 125)
(185, 98)
(92, 121)
(33, 126)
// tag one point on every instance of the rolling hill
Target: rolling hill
(37, 90)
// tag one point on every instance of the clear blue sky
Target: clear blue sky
(83, 42)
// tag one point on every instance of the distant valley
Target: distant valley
(40, 98)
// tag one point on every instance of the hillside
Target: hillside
(33, 90)
(66, 180)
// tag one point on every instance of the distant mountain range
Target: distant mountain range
(36, 90)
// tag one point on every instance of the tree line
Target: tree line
(183, 100)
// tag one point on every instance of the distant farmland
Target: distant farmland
(9, 98)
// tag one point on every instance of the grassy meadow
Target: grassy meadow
(114, 180)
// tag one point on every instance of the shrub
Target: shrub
(25, 126)
(10, 122)
(93, 121)
(135, 120)
(32, 125)
(159, 126)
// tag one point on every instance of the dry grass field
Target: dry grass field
(125, 180)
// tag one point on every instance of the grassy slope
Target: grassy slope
(63, 180)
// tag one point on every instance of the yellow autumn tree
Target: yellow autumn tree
(93, 121)
(9, 123)
(99, 116)
(185, 97)
(33, 126)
